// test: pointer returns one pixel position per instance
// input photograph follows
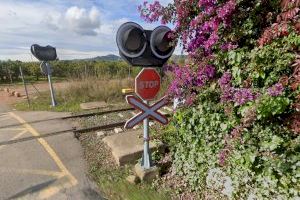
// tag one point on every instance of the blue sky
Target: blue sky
(77, 28)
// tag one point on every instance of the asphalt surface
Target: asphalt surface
(44, 168)
(4, 108)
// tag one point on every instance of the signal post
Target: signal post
(147, 49)
(45, 54)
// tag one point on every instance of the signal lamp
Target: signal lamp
(160, 42)
(47, 53)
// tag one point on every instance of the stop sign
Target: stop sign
(147, 84)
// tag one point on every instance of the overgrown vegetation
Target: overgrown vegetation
(238, 135)
(80, 91)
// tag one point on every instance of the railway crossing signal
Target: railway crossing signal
(145, 48)
(46, 54)
(146, 111)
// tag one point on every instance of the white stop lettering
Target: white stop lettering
(148, 84)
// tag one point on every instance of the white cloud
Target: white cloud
(82, 21)
(75, 28)
(162, 2)
(71, 54)
(23, 53)
(78, 20)
(51, 20)
(166, 2)
(112, 27)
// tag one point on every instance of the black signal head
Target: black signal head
(144, 48)
(47, 53)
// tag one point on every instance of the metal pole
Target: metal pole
(146, 161)
(23, 79)
(50, 84)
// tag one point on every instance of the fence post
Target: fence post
(23, 79)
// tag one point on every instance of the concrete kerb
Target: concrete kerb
(127, 147)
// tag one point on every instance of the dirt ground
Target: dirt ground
(33, 90)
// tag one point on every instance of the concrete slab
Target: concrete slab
(128, 147)
(93, 105)
(118, 130)
(146, 175)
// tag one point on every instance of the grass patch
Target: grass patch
(113, 184)
(77, 92)
(93, 89)
(43, 103)
(110, 178)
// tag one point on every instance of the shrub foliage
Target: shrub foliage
(238, 135)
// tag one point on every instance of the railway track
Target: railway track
(103, 123)
(71, 117)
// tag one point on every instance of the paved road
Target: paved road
(4, 108)
(44, 168)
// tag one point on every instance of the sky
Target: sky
(77, 28)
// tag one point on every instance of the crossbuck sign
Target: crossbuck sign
(146, 111)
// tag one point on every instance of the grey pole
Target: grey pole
(50, 84)
(23, 79)
(146, 161)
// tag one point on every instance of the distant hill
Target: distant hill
(110, 57)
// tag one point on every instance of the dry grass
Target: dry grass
(93, 89)
(80, 91)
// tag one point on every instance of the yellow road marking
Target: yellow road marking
(35, 172)
(15, 137)
(53, 189)
(46, 193)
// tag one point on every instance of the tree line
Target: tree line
(10, 70)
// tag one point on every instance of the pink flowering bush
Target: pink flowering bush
(241, 86)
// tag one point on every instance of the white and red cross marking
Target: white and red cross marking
(146, 111)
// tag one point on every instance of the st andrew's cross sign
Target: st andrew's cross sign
(146, 111)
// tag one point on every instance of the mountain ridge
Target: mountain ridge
(113, 57)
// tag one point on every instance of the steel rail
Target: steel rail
(76, 132)
(98, 113)
(70, 117)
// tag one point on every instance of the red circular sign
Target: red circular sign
(147, 84)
